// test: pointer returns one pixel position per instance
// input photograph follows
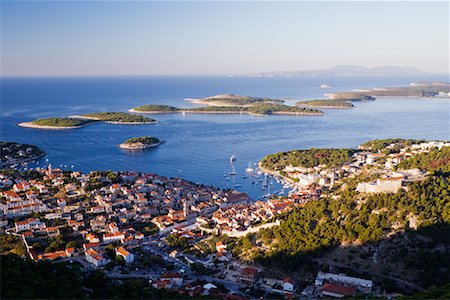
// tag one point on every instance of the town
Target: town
(177, 234)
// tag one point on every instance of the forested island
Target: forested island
(56, 123)
(327, 103)
(234, 100)
(117, 118)
(255, 109)
(142, 142)
(79, 121)
(12, 153)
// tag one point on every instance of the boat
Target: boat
(264, 184)
(249, 169)
(237, 185)
(244, 176)
(325, 86)
(233, 171)
(233, 158)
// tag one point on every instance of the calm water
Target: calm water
(198, 147)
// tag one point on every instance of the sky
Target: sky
(65, 38)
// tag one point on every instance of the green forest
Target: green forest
(61, 122)
(156, 107)
(307, 158)
(119, 117)
(142, 139)
(345, 103)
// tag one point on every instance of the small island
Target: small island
(56, 123)
(116, 118)
(142, 142)
(327, 103)
(13, 153)
(234, 100)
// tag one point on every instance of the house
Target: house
(95, 258)
(113, 237)
(175, 279)
(31, 223)
(288, 284)
(248, 275)
(113, 227)
(91, 238)
(337, 291)
(220, 247)
(128, 257)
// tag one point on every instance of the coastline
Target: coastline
(131, 147)
(15, 161)
(35, 126)
(275, 174)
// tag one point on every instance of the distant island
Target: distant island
(327, 103)
(223, 104)
(421, 89)
(345, 71)
(142, 142)
(78, 121)
(13, 153)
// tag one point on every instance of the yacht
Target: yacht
(233, 158)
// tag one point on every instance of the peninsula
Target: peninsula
(13, 153)
(78, 121)
(142, 142)
(423, 89)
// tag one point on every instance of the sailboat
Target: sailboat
(249, 169)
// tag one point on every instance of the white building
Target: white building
(363, 285)
(28, 224)
(380, 186)
(128, 257)
(95, 258)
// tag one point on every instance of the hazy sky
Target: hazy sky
(121, 38)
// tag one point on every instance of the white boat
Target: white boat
(325, 86)
(249, 169)
(233, 158)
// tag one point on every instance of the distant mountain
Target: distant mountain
(346, 70)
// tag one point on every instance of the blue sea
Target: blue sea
(198, 147)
